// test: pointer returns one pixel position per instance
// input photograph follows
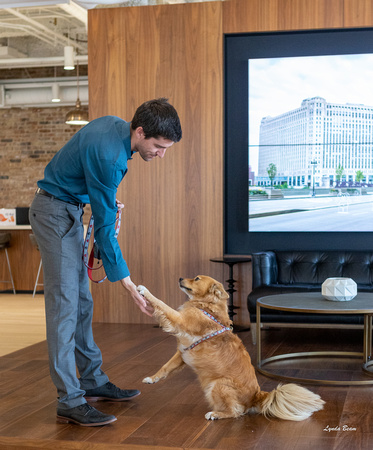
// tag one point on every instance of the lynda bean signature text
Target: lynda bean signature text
(339, 428)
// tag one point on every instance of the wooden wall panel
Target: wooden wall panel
(173, 217)
(358, 13)
(301, 15)
(173, 221)
(243, 16)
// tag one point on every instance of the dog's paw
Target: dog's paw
(149, 380)
(212, 415)
(141, 290)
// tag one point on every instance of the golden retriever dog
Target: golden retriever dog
(206, 343)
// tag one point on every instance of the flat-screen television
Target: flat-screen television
(298, 141)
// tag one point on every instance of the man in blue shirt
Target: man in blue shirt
(89, 169)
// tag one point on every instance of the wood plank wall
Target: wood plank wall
(242, 16)
(173, 222)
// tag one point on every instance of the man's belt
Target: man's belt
(40, 191)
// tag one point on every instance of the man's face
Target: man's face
(152, 147)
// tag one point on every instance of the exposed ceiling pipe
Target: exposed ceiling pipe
(39, 92)
(44, 30)
(28, 30)
(77, 11)
(17, 63)
(29, 3)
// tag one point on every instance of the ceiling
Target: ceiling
(33, 33)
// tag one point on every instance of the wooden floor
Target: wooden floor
(170, 414)
(22, 321)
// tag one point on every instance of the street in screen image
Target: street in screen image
(309, 214)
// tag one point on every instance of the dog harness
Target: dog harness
(95, 253)
(208, 336)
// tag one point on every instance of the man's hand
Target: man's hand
(119, 204)
(139, 299)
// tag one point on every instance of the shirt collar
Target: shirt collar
(126, 134)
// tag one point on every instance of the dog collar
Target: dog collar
(223, 329)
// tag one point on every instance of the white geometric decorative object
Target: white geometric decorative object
(339, 289)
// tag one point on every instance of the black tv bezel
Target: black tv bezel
(238, 49)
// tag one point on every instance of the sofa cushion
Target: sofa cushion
(315, 267)
(282, 272)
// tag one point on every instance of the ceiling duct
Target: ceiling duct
(9, 52)
(15, 63)
(28, 3)
(39, 92)
(40, 30)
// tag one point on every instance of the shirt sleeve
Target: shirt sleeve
(102, 185)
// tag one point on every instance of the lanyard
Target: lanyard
(89, 260)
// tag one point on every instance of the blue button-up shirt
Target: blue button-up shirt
(88, 169)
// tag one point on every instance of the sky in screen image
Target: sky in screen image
(278, 85)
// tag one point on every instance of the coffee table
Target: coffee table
(315, 303)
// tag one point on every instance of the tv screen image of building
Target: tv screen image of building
(310, 143)
(298, 137)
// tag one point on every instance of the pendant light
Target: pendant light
(56, 93)
(68, 52)
(77, 116)
(55, 88)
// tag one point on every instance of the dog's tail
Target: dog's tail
(289, 402)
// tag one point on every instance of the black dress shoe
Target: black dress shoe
(110, 392)
(84, 415)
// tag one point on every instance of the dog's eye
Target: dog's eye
(197, 278)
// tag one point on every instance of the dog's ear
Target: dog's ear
(218, 291)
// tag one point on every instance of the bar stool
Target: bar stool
(4, 244)
(35, 244)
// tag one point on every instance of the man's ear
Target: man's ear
(140, 133)
(218, 291)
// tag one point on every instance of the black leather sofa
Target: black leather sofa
(283, 272)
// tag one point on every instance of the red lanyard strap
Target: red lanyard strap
(88, 261)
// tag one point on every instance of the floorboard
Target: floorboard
(170, 414)
(22, 321)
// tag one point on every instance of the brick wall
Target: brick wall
(29, 138)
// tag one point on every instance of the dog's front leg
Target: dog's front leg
(174, 364)
(168, 318)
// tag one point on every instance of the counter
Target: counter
(23, 256)
(14, 227)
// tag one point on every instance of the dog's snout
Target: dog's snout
(181, 279)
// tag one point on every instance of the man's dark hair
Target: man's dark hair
(158, 119)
